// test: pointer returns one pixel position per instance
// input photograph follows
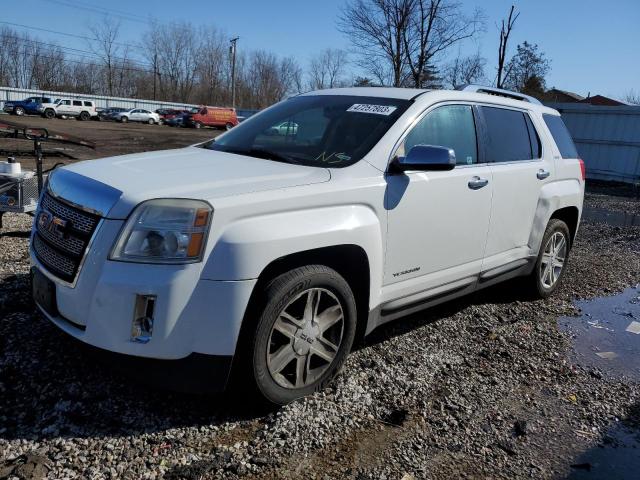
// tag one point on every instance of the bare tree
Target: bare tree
(465, 70)
(434, 27)
(105, 46)
(505, 32)
(377, 29)
(327, 69)
(632, 97)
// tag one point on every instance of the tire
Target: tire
(150, 121)
(275, 357)
(49, 113)
(124, 119)
(228, 126)
(544, 280)
(197, 125)
(84, 116)
(19, 111)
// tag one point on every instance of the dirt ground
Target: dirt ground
(110, 138)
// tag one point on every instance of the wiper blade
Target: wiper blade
(266, 154)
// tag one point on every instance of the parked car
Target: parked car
(177, 121)
(107, 114)
(271, 253)
(284, 128)
(168, 113)
(69, 107)
(212, 117)
(137, 115)
(28, 106)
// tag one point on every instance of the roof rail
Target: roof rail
(500, 92)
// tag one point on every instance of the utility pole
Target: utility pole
(155, 73)
(232, 50)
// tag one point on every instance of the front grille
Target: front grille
(61, 237)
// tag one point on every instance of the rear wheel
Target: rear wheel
(150, 121)
(304, 333)
(18, 111)
(124, 119)
(84, 116)
(552, 259)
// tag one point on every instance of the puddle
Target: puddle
(615, 218)
(616, 458)
(607, 334)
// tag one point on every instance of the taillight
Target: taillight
(583, 170)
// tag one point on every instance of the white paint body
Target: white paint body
(427, 222)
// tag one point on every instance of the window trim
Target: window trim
(531, 118)
(479, 149)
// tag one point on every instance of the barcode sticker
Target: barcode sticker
(368, 108)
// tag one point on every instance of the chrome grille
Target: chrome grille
(53, 260)
(61, 248)
(81, 221)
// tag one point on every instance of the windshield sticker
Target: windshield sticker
(367, 108)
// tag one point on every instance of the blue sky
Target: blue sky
(593, 45)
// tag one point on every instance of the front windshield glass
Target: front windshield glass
(321, 130)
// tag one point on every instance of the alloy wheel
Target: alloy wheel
(553, 259)
(305, 338)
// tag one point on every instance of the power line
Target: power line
(91, 39)
(102, 10)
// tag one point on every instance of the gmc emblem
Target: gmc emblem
(55, 225)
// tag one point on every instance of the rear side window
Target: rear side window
(508, 137)
(88, 104)
(77, 103)
(561, 136)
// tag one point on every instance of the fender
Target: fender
(247, 246)
(553, 197)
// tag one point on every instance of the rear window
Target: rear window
(509, 137)
(561, 136)
(88, 104)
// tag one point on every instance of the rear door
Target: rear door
(437, 220)
(520, 167)
(77, 107)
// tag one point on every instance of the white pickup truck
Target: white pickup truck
(262, 256)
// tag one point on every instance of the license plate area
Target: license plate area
(44, 292)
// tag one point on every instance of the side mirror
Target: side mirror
(425, 157)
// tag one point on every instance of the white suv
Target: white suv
(68, 107)
(269, 254)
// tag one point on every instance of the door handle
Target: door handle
(542, 174)
(476, 183)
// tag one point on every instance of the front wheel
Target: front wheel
(18, 111)
(552, 259)
(197, 125)
(303, 335)
(49, 113)
(229, 126)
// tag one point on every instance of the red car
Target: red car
(168, 113)
(212, 117)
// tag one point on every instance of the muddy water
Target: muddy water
(607, 336)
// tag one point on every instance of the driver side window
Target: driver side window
(450, 126)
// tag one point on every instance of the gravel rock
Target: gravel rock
(479, 387)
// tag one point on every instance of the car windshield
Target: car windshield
(317, 130)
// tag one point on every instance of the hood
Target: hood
(190, 172)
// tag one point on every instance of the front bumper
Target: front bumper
(191, 315)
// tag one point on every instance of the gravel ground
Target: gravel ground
(477, 388)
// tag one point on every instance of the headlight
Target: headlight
(164, 231)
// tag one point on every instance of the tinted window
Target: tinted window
(77, 103)
(88, 104)
(534, 139)
(46, 100)
(315, 130)
(507, 135)
(561, 136)
(451, 126)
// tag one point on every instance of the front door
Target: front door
(438, 220)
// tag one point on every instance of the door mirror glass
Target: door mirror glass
(426, 157)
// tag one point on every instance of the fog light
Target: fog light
(142, 326)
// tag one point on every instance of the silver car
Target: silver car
(137, 115)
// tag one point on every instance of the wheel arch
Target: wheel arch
(570, 216)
